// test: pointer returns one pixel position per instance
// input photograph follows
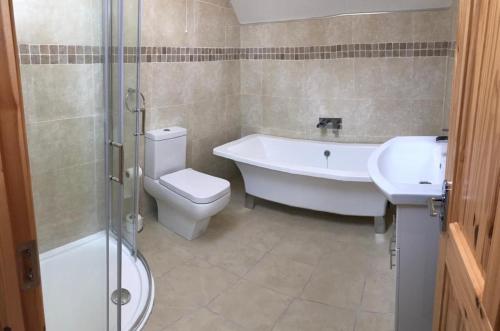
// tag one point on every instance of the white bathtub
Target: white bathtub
(297, 173)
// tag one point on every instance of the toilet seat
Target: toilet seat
(196, 186)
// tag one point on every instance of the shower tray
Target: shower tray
(84, 265)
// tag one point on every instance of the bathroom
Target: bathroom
(236, 164)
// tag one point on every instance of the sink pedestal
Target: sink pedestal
(417, 249)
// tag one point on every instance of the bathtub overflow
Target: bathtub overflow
(327, 153)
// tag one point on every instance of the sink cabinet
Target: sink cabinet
(417, 248)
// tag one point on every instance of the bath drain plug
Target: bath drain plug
(125, 296)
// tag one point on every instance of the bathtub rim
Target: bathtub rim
(340, 175)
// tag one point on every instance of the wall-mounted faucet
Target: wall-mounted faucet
(333, 123)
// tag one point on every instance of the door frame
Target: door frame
(21, 305)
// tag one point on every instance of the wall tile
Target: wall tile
(264, 35)
(251, 108)
(429, 78)
(383, 117)
(158, 118)
(61, 144)
(329, 79)
(251, 77)
(232, 77)
(338, 30)
(284, 78)
(209, 27)
(233, 117)
(304, 33)
(58, 92)
(55, 22)
(63, 192)
(206, 118)
(164, 23)
(232, 36)
(383, 27)
(432, 25)
(205, 79)
(384, 78)
(170, 85)
(426, 118)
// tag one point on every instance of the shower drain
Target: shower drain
(126, 296)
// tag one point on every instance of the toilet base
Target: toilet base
(178, 223)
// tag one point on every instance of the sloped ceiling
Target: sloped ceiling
(258, 11)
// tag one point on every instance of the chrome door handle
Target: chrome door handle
(121, 161)
(438, 206)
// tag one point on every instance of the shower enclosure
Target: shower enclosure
(80, 69)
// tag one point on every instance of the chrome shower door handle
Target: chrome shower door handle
(143, 121)
(121, 162)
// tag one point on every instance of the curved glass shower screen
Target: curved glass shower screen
(79, 65)
(125, 110)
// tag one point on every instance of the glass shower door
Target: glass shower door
(125, 114)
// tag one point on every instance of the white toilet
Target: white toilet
(186, 198)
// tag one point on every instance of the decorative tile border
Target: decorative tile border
(77, 54)
(378, 50)
(60, 54)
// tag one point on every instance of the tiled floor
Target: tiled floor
(271, 268)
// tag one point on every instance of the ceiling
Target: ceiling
(258, 11)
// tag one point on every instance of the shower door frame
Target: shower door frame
(114, 133)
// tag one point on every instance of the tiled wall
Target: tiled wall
(384, 74)
(200, 96)
(63, 107)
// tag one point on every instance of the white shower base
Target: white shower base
(74, 286)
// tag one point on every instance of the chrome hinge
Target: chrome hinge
(438, 206)
(27, 261)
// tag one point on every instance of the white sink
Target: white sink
(409, 170)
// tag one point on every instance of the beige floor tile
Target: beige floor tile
(311, 316)
(251, 306)
(204, 320)
(274, 247)
(193, 284)
(163, 316)
(230, 254)
(167, 259)
(342, 290)
(163, 313)
(280, 274)
(347, 258)
(156, 237)
(299, 250)
(380, 293)
(374, 322)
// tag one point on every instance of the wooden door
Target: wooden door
(468, 284)
(21, 306)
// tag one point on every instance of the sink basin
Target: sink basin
(409, 170)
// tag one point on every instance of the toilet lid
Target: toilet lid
(196, 186)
